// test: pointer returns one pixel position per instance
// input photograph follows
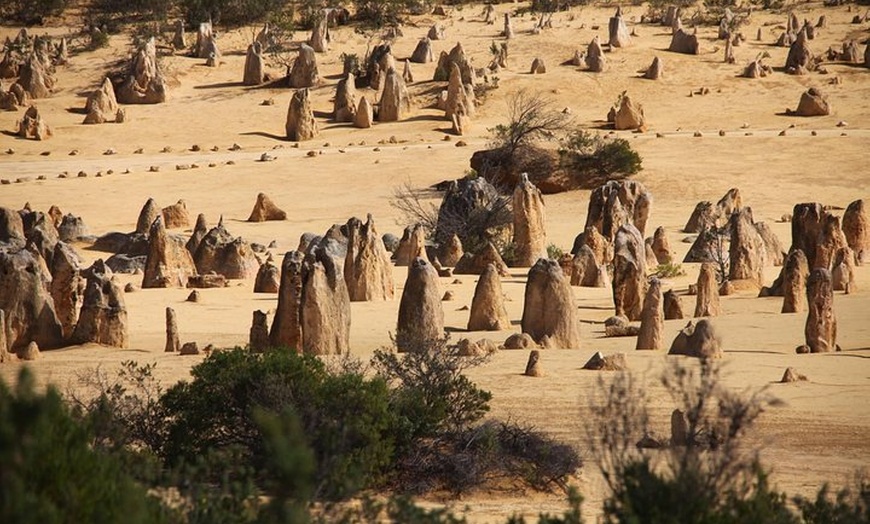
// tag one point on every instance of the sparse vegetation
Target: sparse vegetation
(592, 160)
(669, 270)
(30, 12)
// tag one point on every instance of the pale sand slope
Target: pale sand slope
(817, 433)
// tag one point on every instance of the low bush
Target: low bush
(591, 160)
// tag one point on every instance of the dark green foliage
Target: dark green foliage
(591, 160)
(49, 473)
(30, 12)
(132, 9)
(344, 417)
(230, 13)
(848, 506)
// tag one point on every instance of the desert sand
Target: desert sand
(816, 433)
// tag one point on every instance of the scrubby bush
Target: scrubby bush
(591, 160)
(30, 12)
(231, 13)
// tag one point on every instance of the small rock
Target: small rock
(461, 143)
(110, 151)
(193, 296)
(792, 375)
(448, 296)
(189, 348)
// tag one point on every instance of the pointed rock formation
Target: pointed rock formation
(456, 56)
(222, 254)
(268, 278)
(287, 325)
(255, 66)
(629, 272)
(304, 72)
(661, 247)
(508, 31)
(488, 312)
(258, 336)
(35, 78)
(549, 312)
(800, 57)
(843, 272)
(821, 326)
(25, 298)
(586, 271)
(395, 102)
(103, 318)
(319, 40)
(618, 202)
(325, 311)
(179, 40)
(144, 83)
(65, 285)
(421, 317)
(300, 124)
(33, 126)
(475, 264)
(595, 60)
(149, 212)
(450, 252)
(673, 306)
(813, 103)
(629, 115)
(367, 269)
(173, 345)
(530, 235)
(652, 318)
(747, 252)
(411, 246)
(176, 215)
(795, 271)
(856, 228)
(169, 263)
(806, 228)
(200, 230)
(683, 42)
(458, 101)
(656, 69)
(619, 36)
(533, 366)
(829, 241)
(204, 34)
(423, 52)
(698, 339)
(265, 210)
(364, 116)
(538, 67)
(344, 107)
(102, 105)
(707, 300)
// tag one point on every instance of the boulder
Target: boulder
(421, 317)
(747, 252)
(144, 83)
(533, 366)
(601, 362)
(619, 36)
(265, 210)
(530, 235)
(446, 61)
(411, 246)
(103, 317)
(698, 339)
(36, 79)
(200, 230)
(856, 228)
(149, 212)
(538, 67)
(286, 331)
(792, 375)
(595, 60)
(684, 42)
(821, 326)
(843, 272)
(813, 103)
(300, 125)
(423, 52)
(325, 308)
(629, 115)
(29, 352)
(255, 67)
(795, 271)
(65, 287)
(258, 336)
(33, 126)
(222, 254)
(520, 341)
(488, 312)
(476, 264)
(364, 116)
(673, 306)
(707, 301)
(189, 348)
(549, 311)
(395, 102)
(450, 252)
(101, 106)
(618, 202)
(368, 273)
(26, 300)
(586, 271)
(176, 215)
(345, 105)
(661, 247)
(304, 73)
(656, 70)
(652, 318)
(173, 345)
(800, 57)
(268, 278)
(169, 263)
(629, 272)
(757, 69)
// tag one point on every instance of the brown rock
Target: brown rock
(172, 343)
(792, 375)
(856, 228)
(679, 428)
(549, 312)
(102, 105)
(508, 31)
(189, 348)
(421, 317)
(367, 269)
(168, 263)
(629, 115)
(395, 102)
(707, 303)
(144, 83)
(268, 278)
(656, 70)
(586, 271)
(254, 65)
(5, 356)
(843, 272)
(475, 264)
(813, 103)
(65, 285)
(629, 272)
(458, 99)
(325, 309)
(775, 252)
(533, 366)
(595, 60)
(747, 252)
(661, 247)
(33, 126)
(821, 326)
(618, 326)
(619, 36)
(25, 298)
(200, 230)
(829, 241)
(319, 40)
(520, 341)
(344, 107)
(411, 246)
(286, 329)
(652, 319)
(149, 212)
(258, 338)
(618, 202)
(304, 72)
(698, 339)
(800, 56)
(222, 254)
(103, 318)
(673, 306)
(600, 362)
(35, 78)
(364, 116)
(538, 67)
(488, 312)
(176, 216)
(456, 56)
(29, 352)
(795, 271)
(451, 252)
(265, 209)
(530, 235)
(423, 52)
(806, 227)
(683, 42)
(300, 125)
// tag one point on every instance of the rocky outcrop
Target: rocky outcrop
(652, 318)
(656, 70)
(367, 269)
(36, 79)
(618, 202)
(423, 52)
(586, 271)
(304, 71)
(149, 212)
(450, 252)
(800, 59)
(255, 67)
(103, 318)
(829, 241)
(549, 311)
(843, 272)
(698, 339)
(300, 125)
(813, 103)
(200, 230)
(27, 302)
(530, 235)
(747, 253)
(364, 116)
(102, 106)
(395, 102)
(32, 126)
(533, 366)
(475, 264)
(265, 210)
(222, 254)
(619, 36)
(629, 272)
(258, 336)
(286, 328)
(268, 278)
(673, 306)
(856, 228)
(683, 42)
(176, 215)
(707, 300)
(488, 312)
(795, 271)
(661, 247)
(169, 263)
(412, 245)
(421, 317)
(144, 83)
(629, 115)
(325, 311)
(821, 326)
(344, 106)
(446, 61)
(65, 287)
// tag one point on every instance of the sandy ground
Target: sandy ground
(816, 434)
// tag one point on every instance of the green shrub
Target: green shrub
(30, 12)
(591, 160)
(230, 13)
(850, 505)
(669, 270)
(554, 252)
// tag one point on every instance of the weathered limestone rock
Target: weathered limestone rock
(629, 272)
(800, 56)
(265, 209)
(488, 312)
(757, 69)
(200, 230)
(679, 428)
(325, 309)
(102, 105)
(629, 115)
(26, 301)
(71, 228)
(189, 348)
(149, 212)
(423, 52)
(255, 67)
(344, 107)
(395, 102)
(29, 352)
(586, 271)
(450, 252)
(475, 264)
(829, 241)
(806, 228)
(600, 362)
(821, 326)
(287, 325)
(65, 285)
(533, 366)
(304, 71)
(707, 303)
(549, 312)
(222, 254)
(652, 318)
(179, 40)
(661, 247)
(530, 234)
(795, 272)
(212, 52)
(456, 56)
(367, 269)
(698, 339)
(508, 31)
(520, 341)
(32, 126)
(169, 263)
(458, 100)
(538, 66)
(35, 79)
(856, 228)
(792, 375)
(258, 336)
(843, 272)
(436, 32)
(595, 60)
(411, 246)
(319, 40)
(683, 42)
(673, 306)
(300, 124)
(204, 33)
(421, 317)
(173, 345)
(813, 103)
(364, 116)
(747, 253)
(619, 36)
(176, 215)
(656, 69)
(774, 250)
(103, 318)
(268, 278)
(145, 83)
(618, 202)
